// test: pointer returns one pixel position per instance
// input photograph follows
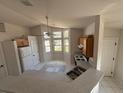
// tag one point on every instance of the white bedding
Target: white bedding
(31, 84)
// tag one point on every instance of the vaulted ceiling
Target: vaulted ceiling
(63, 13)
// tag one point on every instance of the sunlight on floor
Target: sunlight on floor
(55, 69)
(55, 66)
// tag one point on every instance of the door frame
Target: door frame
(3, 59)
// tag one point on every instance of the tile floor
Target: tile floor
(108, 85)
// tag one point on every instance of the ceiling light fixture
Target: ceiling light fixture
(48, 33)
(26, 2)
(47, 25)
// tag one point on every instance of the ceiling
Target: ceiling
(62, 13)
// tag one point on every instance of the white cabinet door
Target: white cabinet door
(25, 51)
(3, 70)
(30, 55)
(27, 63)
(36, 58)
(34, 48)
(109, 55)
(33, 43)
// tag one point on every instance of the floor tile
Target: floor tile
(108, 85)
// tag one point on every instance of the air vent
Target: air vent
(26, 2)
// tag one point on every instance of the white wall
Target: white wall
(90, 29)
(36, 30)
(119, 63)
(75, 34)
(98, 40)
(13, 31)
(109, 32)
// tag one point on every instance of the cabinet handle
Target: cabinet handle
(33, 55)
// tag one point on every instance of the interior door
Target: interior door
(109, 55)
(3, 71)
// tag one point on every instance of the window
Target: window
(57, 41)
(47, 45)
(57, 34)
(57, 45)
(47, 42)
(66, 34)
(66, 41)
(66, 45)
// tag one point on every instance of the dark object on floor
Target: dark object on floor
(76, 72)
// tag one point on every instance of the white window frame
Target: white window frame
(44, 39)
(66, 38)
(51, 39)
(57, 39)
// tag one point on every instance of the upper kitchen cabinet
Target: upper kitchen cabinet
(22, 42)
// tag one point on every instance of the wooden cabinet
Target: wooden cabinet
(22, 42)
(88, 43)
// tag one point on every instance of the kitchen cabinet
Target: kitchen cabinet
(22, 42)
(20, 57)
(29, 56)
(87, 42)
(33, 43)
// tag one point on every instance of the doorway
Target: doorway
(109, 55)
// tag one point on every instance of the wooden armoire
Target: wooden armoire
(88, 43)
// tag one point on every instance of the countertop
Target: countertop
(83, 84)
